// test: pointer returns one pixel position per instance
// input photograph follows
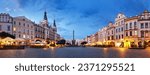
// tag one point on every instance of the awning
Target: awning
(19, 39)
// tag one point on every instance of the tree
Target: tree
(69, 44)
(62, 42)
(83, 43)
(4, 35)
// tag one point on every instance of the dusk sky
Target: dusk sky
(84, 16)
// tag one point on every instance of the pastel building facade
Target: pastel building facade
(25, 29)
(126, 31)
(6, 23)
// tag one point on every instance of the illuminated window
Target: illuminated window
(135, 32)
(24, 36)
(14, 29)
(146, 33)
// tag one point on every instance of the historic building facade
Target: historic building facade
(25, 29)
(110, 34)
(6, 23)
(131, 31)
(46, 32)
(126, 31)
(119, 29)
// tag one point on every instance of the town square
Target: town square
(69, 30)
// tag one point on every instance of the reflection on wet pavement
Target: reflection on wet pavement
(75, 52)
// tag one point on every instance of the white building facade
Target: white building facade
(23, 28)
(127, 31)
(6, 23)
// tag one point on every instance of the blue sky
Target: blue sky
(84, 16)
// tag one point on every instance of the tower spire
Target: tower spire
(54, 23)
(45, 15)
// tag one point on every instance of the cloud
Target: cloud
(84, 16)
(7, 9)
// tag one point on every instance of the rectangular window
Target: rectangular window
(122, 29)
(146, 34)
(146, 25)
(24, 31)
(126, 33)
(19, 23)
(122, 22)
(135, 25)
(119, 36)
(122, 36)
(28, 31)
(118, 23)
(130, 25)
(130, 33)
(112, 37)
(135, 33)
(126, 26)
(108, 38)
(142, 25)
(19, 35)
(142, 34)
(0, 27)
(8, 28)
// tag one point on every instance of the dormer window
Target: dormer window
(23, 19)
(142, 17)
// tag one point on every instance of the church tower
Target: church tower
(45, 20)
(54, 26)
(45, 15)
